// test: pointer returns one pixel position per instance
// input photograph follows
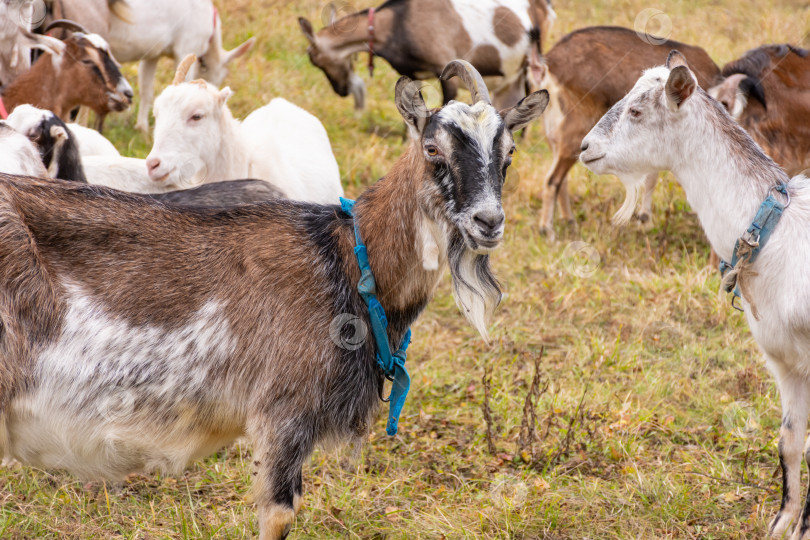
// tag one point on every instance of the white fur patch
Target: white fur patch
(480, 122)
(113, 398)
(26, 118)
(98, 42)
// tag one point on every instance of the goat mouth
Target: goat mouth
(119, 102)
(587, 160)
(162, 178)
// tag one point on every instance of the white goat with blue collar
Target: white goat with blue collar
(667, 122)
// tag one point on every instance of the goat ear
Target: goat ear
(306, 28)
(726, 92)
(224, 95)
(241, 50)
(680, 87)
(333, 14)
(411, 105)
(59, 133)
(675, 59)
(528, 109)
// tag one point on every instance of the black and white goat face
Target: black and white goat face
(468, 149)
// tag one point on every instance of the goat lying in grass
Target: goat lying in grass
(138, 336)
(197, 140)
(60, 153)
(667, 122)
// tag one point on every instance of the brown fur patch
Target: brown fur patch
(508, 27)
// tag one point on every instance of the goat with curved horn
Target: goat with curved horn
(470, 77)
(67, 25)
(182, 70)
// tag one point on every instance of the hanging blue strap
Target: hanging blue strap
(756, 236)
(392, 365)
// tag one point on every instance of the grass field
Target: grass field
(653, 417)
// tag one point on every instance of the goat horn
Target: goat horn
(182, 69)
(470, 77)
(67, 25)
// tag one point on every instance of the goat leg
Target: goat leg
(795, 406)
(278, 460)
(146, 83)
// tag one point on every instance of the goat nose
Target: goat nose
(128, 93)
(152, 163)
(489, 221)
(585, 145)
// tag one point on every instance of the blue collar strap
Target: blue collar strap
(392, 365)
(748, 246)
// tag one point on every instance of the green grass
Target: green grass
(657, 419)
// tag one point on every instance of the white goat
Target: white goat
(197, 140)
(667, 122)
(18, 155)
(17, 40)
(92, 143)
(176, 29)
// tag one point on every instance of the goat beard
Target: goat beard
(477, 291)
(625, 213)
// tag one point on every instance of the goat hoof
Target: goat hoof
(780, 525)
(548, 232)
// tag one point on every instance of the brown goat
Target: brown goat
(582, 92)
(85, 75)
(137, 336)
(767, 90)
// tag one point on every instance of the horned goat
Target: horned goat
(60, 152)
(86, 74)
(667, 122)
(139, 336)
(197, 140)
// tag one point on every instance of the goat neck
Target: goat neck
(398, 232)
(725, 175)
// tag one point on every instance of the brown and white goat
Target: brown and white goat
(581, 92)
(95, 15)
(419, 37)
(767, 91)
(137, 336)
(85, 75)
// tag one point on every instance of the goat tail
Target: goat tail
(122, 10)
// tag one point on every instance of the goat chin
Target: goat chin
(477, 292)
(625, 213)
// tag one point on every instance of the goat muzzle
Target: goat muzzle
(471, 78)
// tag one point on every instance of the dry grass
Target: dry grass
(657, 421)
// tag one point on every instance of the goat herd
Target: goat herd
(211, 304)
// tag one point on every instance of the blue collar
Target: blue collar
(392, 365)
(749, 245)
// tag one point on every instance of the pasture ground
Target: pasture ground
(654, 416)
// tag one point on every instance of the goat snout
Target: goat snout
(489, 222)
(152, 165)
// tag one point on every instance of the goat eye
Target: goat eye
(196, 117)
(512, 151)
(635, 113)
(432, 151)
